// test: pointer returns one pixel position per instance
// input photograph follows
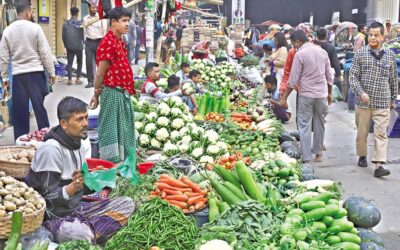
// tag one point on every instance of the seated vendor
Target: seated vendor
(183, 72)
(149, 90)
(201, 50)
(196, 81)
(56, 174)
(270, 85)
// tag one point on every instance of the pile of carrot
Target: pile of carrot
(181, 193)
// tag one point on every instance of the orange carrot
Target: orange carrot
(185, 210)
(199, 205)
(162, 186)
(172, 192)
(191, 194)
(192, 208)
(195, 199)
(163, 194)
(192, 185)
(173, 183)
(180, 204)
(177, 197)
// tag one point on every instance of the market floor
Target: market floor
(340, 164)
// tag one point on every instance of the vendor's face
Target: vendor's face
(121, 25)
(186, 70)
(155, 74)
(269, 87)
(196, 79)
(93, 10)
(375, 38)
(76, 126)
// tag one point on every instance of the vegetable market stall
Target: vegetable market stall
(229, 178)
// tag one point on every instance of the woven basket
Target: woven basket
(17, 170)
(30, 223)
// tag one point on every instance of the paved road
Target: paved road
(339, 165)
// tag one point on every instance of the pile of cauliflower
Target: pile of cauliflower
(171, 129)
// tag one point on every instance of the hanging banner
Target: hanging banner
(44, 11)
(238, 11)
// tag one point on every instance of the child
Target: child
(264, 63)
(173, 84)
(195, 81)
(270, 85)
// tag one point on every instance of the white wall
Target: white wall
(383, 9)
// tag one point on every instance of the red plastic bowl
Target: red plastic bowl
(144, 167)
(94, 163)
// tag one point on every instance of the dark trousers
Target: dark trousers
(137, 52)
(29, 86)
(90, 52)
(70, 57)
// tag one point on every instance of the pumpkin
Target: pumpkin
(307, 169)
(295, 134)
(370, 246)
(369, 236)
(286, 144)
(362, 212)
(285, 136)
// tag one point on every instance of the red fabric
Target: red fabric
(288, 67)
(143, 87)
(199, 56)
(119, 73)
(239, 52)
(117, 3)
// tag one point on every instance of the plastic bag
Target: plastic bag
(41, 234)
(98, 180)
(337, 96)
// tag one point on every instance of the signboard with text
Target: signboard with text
(44, 11)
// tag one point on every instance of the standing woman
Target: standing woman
(278, 58)
(201, 50)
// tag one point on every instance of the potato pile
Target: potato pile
(16, 195)
(24, 156)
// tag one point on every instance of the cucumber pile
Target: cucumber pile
(318, 222)
(280, 174)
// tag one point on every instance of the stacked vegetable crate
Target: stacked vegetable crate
(205, 33)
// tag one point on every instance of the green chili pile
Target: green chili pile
(156, 223)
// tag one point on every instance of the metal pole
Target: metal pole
(150, 10)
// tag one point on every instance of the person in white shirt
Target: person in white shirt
(93, 35)
(25, 45)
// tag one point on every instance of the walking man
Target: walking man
(139, 37)
(93, 35)
(311, 72)
(131, 40)
(114, 84)
(25, 44)
(373, 79)
(72, 36)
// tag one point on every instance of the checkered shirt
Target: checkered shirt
(377, 78)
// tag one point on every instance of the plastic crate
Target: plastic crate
(92, 121)
(60, 70)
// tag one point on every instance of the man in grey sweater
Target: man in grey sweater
(25, 44)
(72, 36)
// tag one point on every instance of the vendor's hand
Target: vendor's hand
(365, 98)
(94, 102)
(77, 183)
(283, 103)
(393, 105)
(195, 110)
(6, 84)
(53, 80)
(281, 92)
(330, 99)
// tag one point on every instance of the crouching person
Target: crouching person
(56, 175)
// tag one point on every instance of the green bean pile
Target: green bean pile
(156, 224)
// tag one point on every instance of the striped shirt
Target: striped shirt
(150, 92)
(377, 78)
